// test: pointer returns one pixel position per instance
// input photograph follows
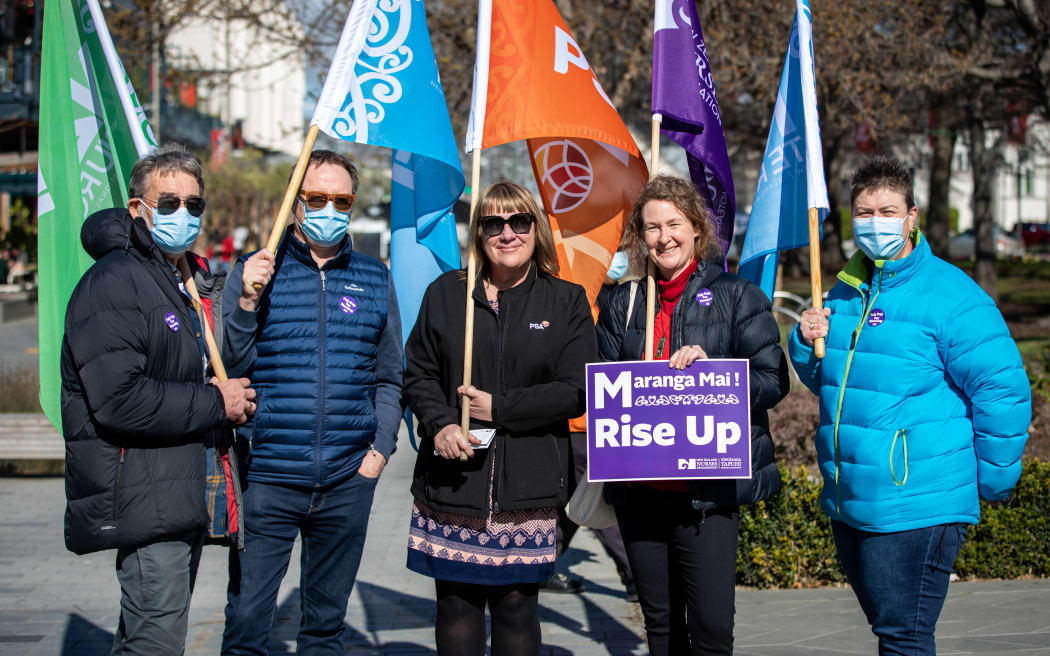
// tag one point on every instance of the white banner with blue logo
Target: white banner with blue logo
(383, 89)
(791, 179)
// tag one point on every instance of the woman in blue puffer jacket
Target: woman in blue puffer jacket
(924, 409)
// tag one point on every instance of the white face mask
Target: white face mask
(879, 237)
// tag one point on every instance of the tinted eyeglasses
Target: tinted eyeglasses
(316, 200)
(520, 223)
(169, 204)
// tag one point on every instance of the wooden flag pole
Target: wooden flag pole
(289, 194)
(472, 274)
(814, 273)
(650, 273)
(209, 338)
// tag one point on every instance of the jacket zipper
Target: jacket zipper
(903, 435)
(842, 389)
(677, 314)
(321, 389)
(116, 484)
(502, 328)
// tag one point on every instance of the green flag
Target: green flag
(87, 148)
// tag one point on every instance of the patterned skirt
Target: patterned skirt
(515, 546)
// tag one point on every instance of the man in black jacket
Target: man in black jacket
(136, 406)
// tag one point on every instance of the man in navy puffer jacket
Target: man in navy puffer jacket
(322, 337)
(924, 409)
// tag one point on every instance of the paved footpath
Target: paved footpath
(52, 602)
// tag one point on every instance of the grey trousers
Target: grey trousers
(156, 581)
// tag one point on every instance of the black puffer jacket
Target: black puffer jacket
(531, 357)
(135, 409)
(738, 323)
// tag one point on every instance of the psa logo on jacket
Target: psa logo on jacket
(543, 325)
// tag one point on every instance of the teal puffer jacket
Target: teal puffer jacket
(924, 402)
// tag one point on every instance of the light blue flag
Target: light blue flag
(791, 179)
(423, 241)
(383, 89)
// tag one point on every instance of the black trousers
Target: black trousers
(684, 567)
(608, 537)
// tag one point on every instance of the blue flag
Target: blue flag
(791, 179)
(423, 241)
(383, 89)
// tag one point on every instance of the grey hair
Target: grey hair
(169, 158)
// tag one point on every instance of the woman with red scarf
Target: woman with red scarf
(681, 536)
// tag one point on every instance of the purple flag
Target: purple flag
(684, 93)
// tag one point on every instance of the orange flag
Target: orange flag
(532, 81)
(588, 189)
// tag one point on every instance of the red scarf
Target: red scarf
(670, 292)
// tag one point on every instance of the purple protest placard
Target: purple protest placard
(646, 421)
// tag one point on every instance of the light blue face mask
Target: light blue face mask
(879, 237)
(618, 266)
(174, 233)
(326, 226)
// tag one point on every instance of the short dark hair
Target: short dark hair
(169, 158)
(882, 172)
(319, 157)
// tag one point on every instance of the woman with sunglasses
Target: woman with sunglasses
(484, 527)
(681, 536)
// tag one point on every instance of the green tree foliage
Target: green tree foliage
(244, 191)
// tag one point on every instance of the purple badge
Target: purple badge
(348, 305)
(875, 317)
(704, 297)
(172, 321)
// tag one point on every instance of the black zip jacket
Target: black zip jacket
(531, 358)
(135, 409)
(738, 323)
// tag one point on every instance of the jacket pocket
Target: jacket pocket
(534, 471)
(899, 465)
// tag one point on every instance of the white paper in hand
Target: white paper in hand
(483, 434)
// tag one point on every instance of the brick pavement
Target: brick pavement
(52, 602)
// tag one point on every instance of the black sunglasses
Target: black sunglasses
(520, 223)
(169, 204)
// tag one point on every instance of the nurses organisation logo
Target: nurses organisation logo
(348, 305)
(876, 317)
(567, 174)
(172, 321)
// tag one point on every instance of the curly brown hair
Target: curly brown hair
(684, 197)
(507, 196)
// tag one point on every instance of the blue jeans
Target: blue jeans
(332, 521)
(156, 581)
(901, 580)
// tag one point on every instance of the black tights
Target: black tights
(461, 619)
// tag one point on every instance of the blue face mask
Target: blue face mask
(618, 266)
(879, 237)
(174, 233)
(326, 226)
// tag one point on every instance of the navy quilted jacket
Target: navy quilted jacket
(324, 353)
